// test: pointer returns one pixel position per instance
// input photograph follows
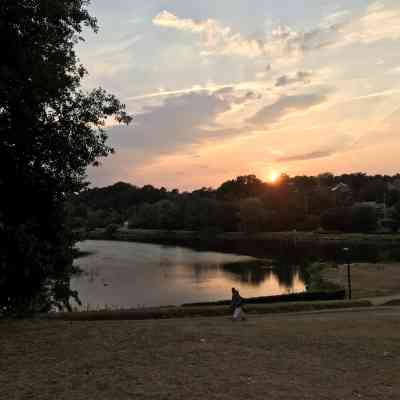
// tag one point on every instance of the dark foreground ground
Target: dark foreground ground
(323, 355)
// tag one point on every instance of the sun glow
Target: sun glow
(273, 176)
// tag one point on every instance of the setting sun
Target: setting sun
(273, 177)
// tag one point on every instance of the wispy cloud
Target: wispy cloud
(378, 22)
(117, 47)
(193, 89)
(215, 38)
(386, 129)
(180, 120)
(325, 147)
(383, 93)
(337, 17)
(250, 86)
(162, 130)
(379, 133)
(218, 39)
(286, 105)
(395, 70)
(306, 156)
(169, 20)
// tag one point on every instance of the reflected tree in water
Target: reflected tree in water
(253, 273)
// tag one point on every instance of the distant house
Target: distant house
(341, 188)
(343, 194)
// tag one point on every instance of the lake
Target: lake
(130, 274)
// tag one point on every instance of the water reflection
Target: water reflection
(123, 275)
(251, 273)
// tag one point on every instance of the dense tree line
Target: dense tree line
(247, 204)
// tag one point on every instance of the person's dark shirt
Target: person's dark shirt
(237, 300)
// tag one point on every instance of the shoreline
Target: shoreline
(286, 245)
(294, 236)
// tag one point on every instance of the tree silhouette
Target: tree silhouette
(50, 131)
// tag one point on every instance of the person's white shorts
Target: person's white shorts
(238, 313)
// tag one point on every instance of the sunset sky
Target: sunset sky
(220, 88)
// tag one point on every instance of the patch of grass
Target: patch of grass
(192, 312)
(352, 355)
(315, 280)
(394, 302)
(368, 279)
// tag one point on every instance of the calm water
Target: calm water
(126, 275)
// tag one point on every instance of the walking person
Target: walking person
(237, 306)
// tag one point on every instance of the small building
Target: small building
(341, 188)
(343, 194)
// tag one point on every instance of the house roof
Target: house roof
(341, 187)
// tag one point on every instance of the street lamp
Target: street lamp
(347, 252)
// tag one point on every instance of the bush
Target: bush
(390, 255)
(315, 280)
(336, 219)
(390, 224)
(310, 223)
(350, 219)
(364, 219)
(253, 217)
(111, 230)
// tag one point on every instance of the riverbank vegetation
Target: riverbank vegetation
(346, 203)
(288, 248)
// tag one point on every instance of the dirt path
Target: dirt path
(321, 355)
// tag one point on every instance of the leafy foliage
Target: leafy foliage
(244, 204)
(350, 219)
(50, 131)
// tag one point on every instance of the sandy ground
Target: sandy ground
(368, 280)
(323, 355)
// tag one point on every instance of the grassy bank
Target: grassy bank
(295, 237)
(334, 356)
(200, 311)
(368, 280)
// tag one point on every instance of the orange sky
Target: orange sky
(218, 90)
